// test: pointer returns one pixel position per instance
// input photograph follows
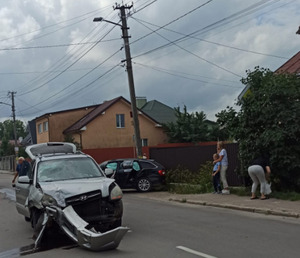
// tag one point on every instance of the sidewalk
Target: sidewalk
(269, 207)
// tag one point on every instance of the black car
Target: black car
(141, 174)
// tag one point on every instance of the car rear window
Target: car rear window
(147, 164)
(67, 169)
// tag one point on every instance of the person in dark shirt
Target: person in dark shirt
(258, 170)
(22, 168)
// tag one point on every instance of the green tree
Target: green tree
(7, 129)
(228, 121)
(269, 122)
(7, 133)
(188, 127)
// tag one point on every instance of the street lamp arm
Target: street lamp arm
(100, 19)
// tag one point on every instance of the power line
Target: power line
(197, 31)
(55, 46)
(52, 25)
(185, 75)
(74, 92)
(190, 52)
(80, 57)
(211, 42)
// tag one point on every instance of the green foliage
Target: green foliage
(184, 181)
(71, 139)
(6, 148)
(7, 129)
(229, 122)
(191, 128)
(7, 133)
(269, 122)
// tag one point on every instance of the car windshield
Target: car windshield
(66, 169)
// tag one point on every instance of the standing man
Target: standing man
(22, 168)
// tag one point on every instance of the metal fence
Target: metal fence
(192, 157)
(8, 163)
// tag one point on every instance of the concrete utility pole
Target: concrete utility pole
(14, 119)
(125, 36)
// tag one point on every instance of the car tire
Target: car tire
(143, 185)
(27, 219)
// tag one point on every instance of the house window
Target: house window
(144, 142)
(45, 126)
(40, 128)
(120, 119)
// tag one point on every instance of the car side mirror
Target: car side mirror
(24, 180)
(108, 172)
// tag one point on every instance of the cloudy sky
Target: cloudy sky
(191, 52)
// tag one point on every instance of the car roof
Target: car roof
(41, 149)
(126, 159)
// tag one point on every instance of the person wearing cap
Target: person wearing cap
(22, 168)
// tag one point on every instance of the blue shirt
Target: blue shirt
(216, 166)
(24, 169)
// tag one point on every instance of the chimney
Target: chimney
(140, 102)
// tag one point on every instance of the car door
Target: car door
(22, 188)
(124, 174)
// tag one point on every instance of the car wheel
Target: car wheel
(27, 219)
(143, 185)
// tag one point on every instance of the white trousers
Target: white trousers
(223, 176)
(257, 175)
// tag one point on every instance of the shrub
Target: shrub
(184, 181)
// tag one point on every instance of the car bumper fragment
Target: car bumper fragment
(75, 227)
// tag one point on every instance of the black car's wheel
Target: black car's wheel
(143, 185)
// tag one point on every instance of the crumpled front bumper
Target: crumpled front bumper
(76, 228)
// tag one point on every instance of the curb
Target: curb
(235, 207)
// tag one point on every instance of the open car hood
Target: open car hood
(50, 148)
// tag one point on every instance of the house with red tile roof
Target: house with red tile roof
(107, 125)
(290, 66)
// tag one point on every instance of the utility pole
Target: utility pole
(14, 119)
(125, 36)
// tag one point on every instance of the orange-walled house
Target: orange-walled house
(50, 126)
(108, 125)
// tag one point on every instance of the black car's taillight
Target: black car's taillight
(162, 172)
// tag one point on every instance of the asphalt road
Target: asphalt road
(168, 229)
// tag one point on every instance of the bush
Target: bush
(184, 181)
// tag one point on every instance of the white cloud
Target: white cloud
(170, 74)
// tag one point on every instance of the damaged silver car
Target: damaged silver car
(68, 188)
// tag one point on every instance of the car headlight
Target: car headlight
(116, 193)
(48, 200)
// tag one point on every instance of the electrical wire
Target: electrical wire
(211, 42)
(69, 66)
(188, 78)
(52, 25)
(239, 14)
(59, 45)
(193, 54)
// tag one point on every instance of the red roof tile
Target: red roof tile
(92, 115)
(291, 66)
